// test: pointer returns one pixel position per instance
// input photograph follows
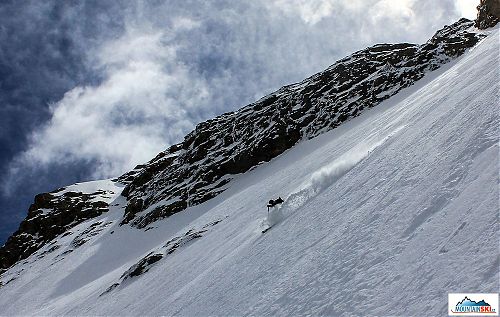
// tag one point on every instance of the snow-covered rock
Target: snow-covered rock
(55, 213)
(488, 14)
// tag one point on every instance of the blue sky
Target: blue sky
(90, 89)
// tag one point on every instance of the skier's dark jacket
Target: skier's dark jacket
(275, 202)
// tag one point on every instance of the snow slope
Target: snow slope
(384, 215)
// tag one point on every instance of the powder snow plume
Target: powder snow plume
(327, 176)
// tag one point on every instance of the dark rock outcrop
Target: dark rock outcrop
(200, 167)
(142, 266)
(171, 246)
(50, 215)
(92, 230)
(488, 14)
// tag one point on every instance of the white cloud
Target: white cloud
(310, 12)
(133, 114)
(467, 8)
(390, 9)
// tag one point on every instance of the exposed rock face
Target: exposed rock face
(50, 215)
(488, 13)
(200, 167)
(93, 230)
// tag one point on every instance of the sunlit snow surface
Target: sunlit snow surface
(384, 215)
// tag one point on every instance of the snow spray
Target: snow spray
(325, 177)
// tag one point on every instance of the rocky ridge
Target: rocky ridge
(53, 214)
(200, 167)
(488, 14)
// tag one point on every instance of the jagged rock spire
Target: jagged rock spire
(488, 13)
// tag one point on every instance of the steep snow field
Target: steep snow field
(384, 215)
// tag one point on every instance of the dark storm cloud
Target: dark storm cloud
(124, 79)
(43, 47)
(42, 55)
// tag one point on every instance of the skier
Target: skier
(273, 203)
(274, 216)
